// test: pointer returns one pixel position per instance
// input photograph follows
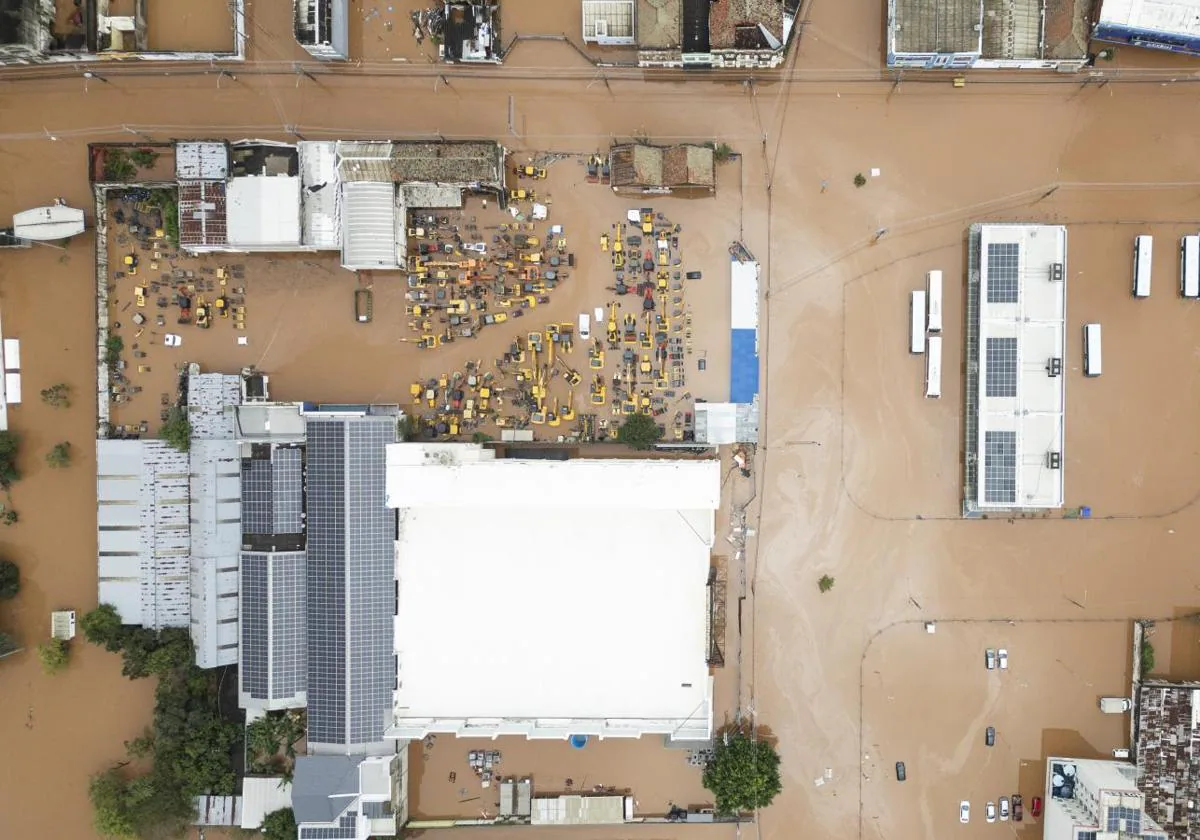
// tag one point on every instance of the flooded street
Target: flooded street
(859, 477)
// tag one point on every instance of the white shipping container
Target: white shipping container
(934, 282)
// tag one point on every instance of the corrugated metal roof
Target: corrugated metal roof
(320, 197)
(202, 214)
(201, 161)
(212, 398)
(143, 531)
(369, 235)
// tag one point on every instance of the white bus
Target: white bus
(934, 281)
(1189, 267)
(1143, 254)
(1092, 359)
(933, 367)
(916, 332)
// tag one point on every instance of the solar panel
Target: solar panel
(256, 496)
(345, 829)
(1003, 274)
(1001, 367)
(288, 496)
(289, 656)
(376, 810)
(254, 663)
(1000, 467)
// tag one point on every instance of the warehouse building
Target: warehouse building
(1015, 394)
(631, 570)
(987, 34)
(1171, 25)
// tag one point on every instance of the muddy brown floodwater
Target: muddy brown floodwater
(858, 477)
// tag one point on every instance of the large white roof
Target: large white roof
(263, 210)
(1022, 322)
(369, 226)
(552, 589)
(1170, 16)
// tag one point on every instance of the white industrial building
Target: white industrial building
(604, 620)
(1015, 392)
(1095, 800)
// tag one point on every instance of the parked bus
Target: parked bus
(1143, 254)
(1189, 267)
(934, 281)
(1092, 361)
(933, 367)
(916, 332)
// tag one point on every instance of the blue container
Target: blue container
(579, 741)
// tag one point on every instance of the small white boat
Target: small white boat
(46, 224)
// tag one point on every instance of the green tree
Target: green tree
(109, 793)
(102, 626)
(279, 825)
(860, 180)
(53, 655)
(113, 346)
(57, 396)
(59, 455)
(743, 773)
(825, 583)
(639, 431)
(177, 431)
(9, 444)
(1147, 657)
(10, 580)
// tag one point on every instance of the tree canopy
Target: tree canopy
(53, 654)
(8, 459)
(59, 455)
(743, 773)
(102, 626)
(177, 431)
(639, 431)
(10, 579)
(279, 825)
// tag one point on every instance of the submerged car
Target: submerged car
(901, 773)
(964, 811)
(1002, 654)
(989, 737)
(990, 812)
(1003, 808)
(1035, 807)
(1018, 811)
(990, 659)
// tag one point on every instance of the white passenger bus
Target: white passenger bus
(934, 281)
(916, 332)
(933, 367)
(1189, 266)
(1092, 359)
(1143, 254)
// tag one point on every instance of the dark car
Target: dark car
(1035, 807)
(693, 275)
(1018, 811)
(989, 737)
(901, 774)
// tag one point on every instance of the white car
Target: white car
(990, 659)
(1003, 656)
(964, 811)
(172, 340)
(1003, 808)
(990, 812)
(585, 326)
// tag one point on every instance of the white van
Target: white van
(585, 326)
(1115, 705)
(1143, 257)
(1092, 359)
(916, 327)
(1189, 267)
(1121, 753)
(933, 280)
(933, 367)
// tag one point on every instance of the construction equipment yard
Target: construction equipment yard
(556, 378)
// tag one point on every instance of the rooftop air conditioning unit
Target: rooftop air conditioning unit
(1056, 272)
(1054, 460)
(1054, 366)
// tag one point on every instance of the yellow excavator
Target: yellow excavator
(552, 419)
(568, 412)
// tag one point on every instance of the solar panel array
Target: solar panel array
(351, 580)
(1003, 272)
(376, 810)
(1132, 817)
(273, 493)
(326, 579)
(289, 653)
(344, 831)
(1001, 367)
(1000, 467)
(255, 664)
